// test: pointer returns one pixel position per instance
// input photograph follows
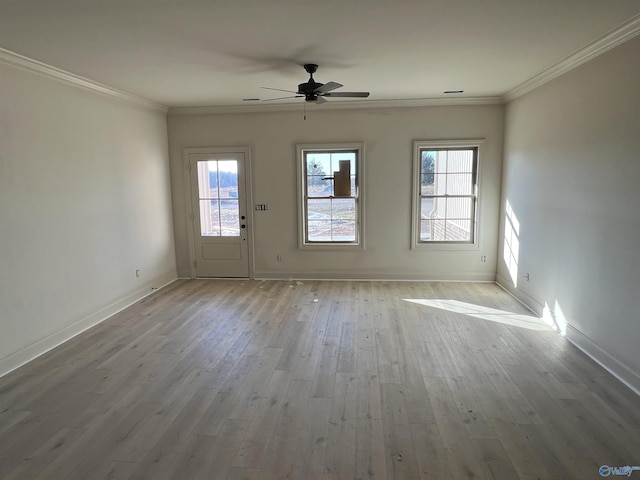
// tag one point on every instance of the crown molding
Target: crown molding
(336, 105)
(618, 36)
(621, 34)
(20, 61)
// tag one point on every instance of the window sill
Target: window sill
(336, 247)
(445, 246)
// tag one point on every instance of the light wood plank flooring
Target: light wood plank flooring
(316, 380)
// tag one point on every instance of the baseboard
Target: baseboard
(611, 364)
(40, 347)
(375, 276)
(581, 341)
(530, 303)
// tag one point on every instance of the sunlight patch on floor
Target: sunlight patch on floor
(485, 313)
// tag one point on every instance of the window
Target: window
(330, 195)
(445, 192)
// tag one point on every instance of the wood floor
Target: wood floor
(316, 380)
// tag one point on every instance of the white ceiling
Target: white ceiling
(219, 52)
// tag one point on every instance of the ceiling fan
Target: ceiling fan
(315, 92)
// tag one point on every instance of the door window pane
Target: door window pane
(219, 204)
(229, 217)
(209, 218)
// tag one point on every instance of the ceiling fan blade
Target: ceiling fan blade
(347, 94)
(318, 100)
(281, 98)
(278, 89)
(327, 87)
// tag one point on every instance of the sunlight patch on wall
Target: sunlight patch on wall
(529, 322)
(555, 318)
(511, 243)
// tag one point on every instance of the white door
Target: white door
(219, 206)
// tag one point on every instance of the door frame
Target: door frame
(248, 189)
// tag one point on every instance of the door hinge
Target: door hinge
(192, 217)
(189, 167)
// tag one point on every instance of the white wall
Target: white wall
(388, 136)
(571, 176)
(84, 202)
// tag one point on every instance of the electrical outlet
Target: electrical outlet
(483, 258)
(279, 257)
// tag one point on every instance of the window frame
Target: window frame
(301, 151)
(418, 147)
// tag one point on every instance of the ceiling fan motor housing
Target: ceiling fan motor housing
(308, 88)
